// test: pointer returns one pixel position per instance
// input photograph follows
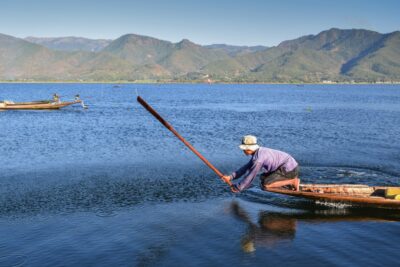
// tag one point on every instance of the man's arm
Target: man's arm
(237, 174)
(246, 182)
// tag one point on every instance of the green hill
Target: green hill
(380, 63)
(234, 50)
(336, 55)
(187, 57)
(139, 50)
(332, 55)
(70, 43)
(22, 60)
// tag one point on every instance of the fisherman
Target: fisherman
(280, 169)
(56, 98)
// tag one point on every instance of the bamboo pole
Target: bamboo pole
(169, 127)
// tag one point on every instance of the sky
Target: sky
(235, 22)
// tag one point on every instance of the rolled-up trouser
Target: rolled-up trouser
(278, 175)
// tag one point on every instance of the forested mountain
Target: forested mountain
(334, 55)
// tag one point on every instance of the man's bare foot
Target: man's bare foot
(296, 184)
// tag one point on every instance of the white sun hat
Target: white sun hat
(249, 142)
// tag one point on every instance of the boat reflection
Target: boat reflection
(275, 228)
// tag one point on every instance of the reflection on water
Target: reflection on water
(215, 232)
(271, 228)
(108, 185)
(275, 228)
(104, 189)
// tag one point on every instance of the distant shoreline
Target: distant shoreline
(180, 82)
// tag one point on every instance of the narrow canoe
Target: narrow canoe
(37, 105)
(359, 195)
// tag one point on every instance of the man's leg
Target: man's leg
(280, 179)
(295, 183)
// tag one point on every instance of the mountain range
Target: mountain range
(333, 55)
(71, 43)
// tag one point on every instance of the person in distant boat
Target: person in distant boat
(279, 168)
(77, 97)
(56, 98)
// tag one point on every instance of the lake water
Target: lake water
(110, 186)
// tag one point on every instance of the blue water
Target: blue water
(110, 186)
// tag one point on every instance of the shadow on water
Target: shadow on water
(274, 228)
(104, 189)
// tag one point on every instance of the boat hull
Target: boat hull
(359, 195)
(37, 106)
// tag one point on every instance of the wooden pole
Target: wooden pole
(169, 127)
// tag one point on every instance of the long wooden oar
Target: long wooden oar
(169, 127)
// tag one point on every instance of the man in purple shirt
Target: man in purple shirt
(279, 168)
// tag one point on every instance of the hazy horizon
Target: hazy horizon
(247, 23)
(84, 37)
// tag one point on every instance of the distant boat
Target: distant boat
(41, 104)
(354, 194)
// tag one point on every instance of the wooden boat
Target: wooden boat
(42, 104)
(358, 195)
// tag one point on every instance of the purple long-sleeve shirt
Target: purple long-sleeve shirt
(264, 158)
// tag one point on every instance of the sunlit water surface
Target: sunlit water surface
(109, 186)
